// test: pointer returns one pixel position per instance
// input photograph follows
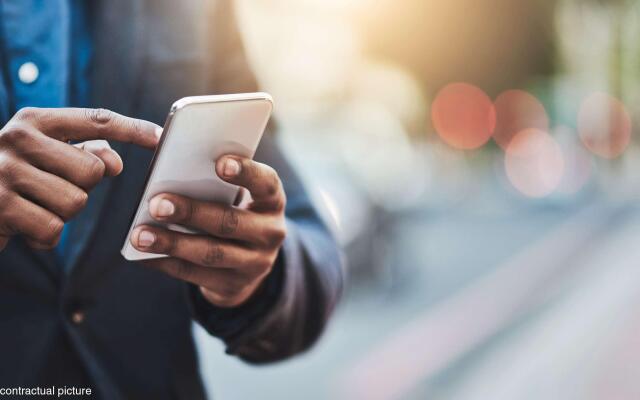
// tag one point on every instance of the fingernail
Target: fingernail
(158, 131)
(165, 208)
(146, 239)
(231, 168)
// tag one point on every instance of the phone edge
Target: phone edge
(175, 107)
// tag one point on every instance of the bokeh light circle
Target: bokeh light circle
(577, 161)
(534, 163)
(463, 115)
(517, 110)
(604, 125)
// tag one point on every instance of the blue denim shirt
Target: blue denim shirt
(45, 49)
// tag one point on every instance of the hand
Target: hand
(44, 181)
(239, 245)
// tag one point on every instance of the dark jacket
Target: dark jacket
(120, 328)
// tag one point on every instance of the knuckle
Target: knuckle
(272, 186)
(277, 235)
(100, 117)
(95, 169)
(280, 203)
(27, 113)
(229, 221)
(101, 148)
(167, 243)
(247, 167)
(15, 134)
(7, 199)
(52, 231)
(77, 200)
(136, 127)
(187, 210)
(213, 255)
(9, 169)
(272, 179)
(256, 172)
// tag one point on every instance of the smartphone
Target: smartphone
(199, 130)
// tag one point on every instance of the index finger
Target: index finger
(67, 124)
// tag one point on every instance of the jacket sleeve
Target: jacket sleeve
(291, 309)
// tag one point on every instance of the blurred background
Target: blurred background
(477, 161)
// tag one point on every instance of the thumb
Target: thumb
(102, 150)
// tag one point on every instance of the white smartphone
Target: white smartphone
(196, 133)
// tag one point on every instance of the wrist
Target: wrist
(250, 292)
(226, 322)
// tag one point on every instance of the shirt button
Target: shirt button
(28, 72)
(77, 317)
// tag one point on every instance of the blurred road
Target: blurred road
(542, 298)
